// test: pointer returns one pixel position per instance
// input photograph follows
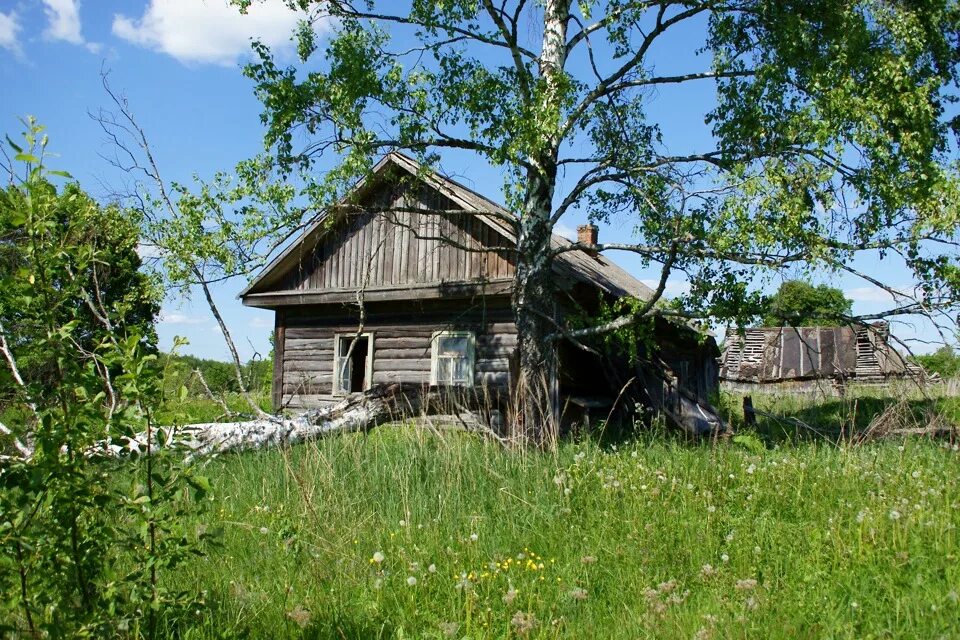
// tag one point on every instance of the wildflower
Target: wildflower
(411, 581)
(523, 622)
(578, 594)
(588, 559)
(711, 509)
(953, 597)
(751, 603)
(746, 585)
(861, 515)
(751, 468)
(509, 596)
(729, 537)
(403, 523)
(567, 491)
(377, 558)
(725, 558)
(449, 629)
(756, 550)
(432, 568)
(264, 530)
(894, 514)
(915, 474)
(707, 570)
(474, 537)
(300, 616)
(854, 605)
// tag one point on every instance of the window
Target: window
(452, 358)
(352, 369)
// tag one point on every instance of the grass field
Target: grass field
(406, 533)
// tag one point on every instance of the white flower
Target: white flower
(725, 558)
(756, 550)
(411, 581)
(264, 530)
(751, 468)
(861, 515)
(915, 474)
(403, 523)
(729, 537)
(711, 509)
(432, 568)
(474, 537)
(378, 557)
(894, 514)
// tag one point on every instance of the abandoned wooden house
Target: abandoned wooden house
(812, 358)
(381, 291)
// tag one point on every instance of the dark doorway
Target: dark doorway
(352, 364)
(358, 364)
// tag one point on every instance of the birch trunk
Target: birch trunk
(534, 293)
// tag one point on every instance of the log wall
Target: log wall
(303, 373)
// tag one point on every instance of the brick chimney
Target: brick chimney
(587, 234)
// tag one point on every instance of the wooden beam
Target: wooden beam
(431, 291)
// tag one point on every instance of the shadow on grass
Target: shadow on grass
(838, 420)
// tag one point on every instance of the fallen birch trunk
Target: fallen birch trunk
(359, 412)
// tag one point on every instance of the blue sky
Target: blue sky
(177, 62)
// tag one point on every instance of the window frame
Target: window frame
(368, 375)
(471, 356)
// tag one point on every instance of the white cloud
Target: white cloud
(180, 318)
(207, 31)
(876, 294)
(674, 287)
(259, 322)
(9, 28)
(63, 23)
(567, 232)
(63, 20)
(146, 251)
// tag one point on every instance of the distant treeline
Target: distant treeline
(179, 370)
(944, 361)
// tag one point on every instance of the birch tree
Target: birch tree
(832, 136)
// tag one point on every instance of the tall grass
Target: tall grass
(406, 533)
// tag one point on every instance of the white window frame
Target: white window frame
(471, 356)
(368, 377)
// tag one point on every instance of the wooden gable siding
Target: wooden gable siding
(395, 248)
(402, 336)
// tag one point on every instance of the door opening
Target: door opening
(353, 365)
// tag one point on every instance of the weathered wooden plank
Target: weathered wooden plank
(493, 379)
(493, 365)
(278, 354)
(417, 377)
(408, 343)
(308, 366)
(397, 354)
(401, 364)
(303, 377)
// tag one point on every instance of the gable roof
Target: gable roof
(593, 269)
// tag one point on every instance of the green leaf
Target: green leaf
(13, 144)
(62, 174)
(26, 157)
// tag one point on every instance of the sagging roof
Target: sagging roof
(780, 354)
(579, 265)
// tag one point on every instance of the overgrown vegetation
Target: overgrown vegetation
(82, 555)
(944, 361)
(409, 532)
(801, 304)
